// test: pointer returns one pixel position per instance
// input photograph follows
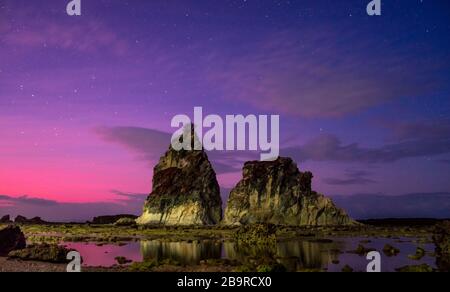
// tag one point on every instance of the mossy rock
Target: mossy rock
(42, 252)
(126, 222)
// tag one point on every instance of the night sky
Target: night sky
(86, 102)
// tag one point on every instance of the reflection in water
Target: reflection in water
(295, 255)
(188, 253)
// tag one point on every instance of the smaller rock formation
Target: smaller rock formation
(185, 190)
(23, 220)
(441, 239)
(11, 238)
(111, 219)
(5, 219)
(277, 192)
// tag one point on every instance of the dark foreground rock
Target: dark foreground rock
(42, 252)
(112, 219)
(441, 239)
(11, 238)
(5, 219)
(185, 191)
(277, 192)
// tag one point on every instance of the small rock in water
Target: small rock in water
(123, 260)
(347, 269)
(415, 269)
(11, 238)
(362, 251)
(390, 251)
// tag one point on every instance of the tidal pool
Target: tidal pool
(328, 255)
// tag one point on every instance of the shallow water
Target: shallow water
(295, 254)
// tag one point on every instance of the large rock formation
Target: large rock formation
(277, 192)
(185, 191)
(11, 238)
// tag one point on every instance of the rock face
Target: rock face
(277, 192)
(11, 238)
(185, 191)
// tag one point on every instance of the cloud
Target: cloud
(325, 76)
(86, 37)
(130, 196)
(405, 131)
(352, 178)
(414, 205)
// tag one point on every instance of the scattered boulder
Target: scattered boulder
(123, 260)
(129, 222)
(42, 252)
(185, 190)
(420, 253)
(277, 192)
(23, 220)
(111, 219)
(424, 268)
(362, 250)
(5, 219)
(441, 239)
(11, 238)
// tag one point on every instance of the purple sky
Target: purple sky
(86, 102)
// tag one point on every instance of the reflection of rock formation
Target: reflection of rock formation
(277, 192)
(182, 252)
(185, 191)
(294, 255)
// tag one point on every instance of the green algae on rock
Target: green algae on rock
(277, 192)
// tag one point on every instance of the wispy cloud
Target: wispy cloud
(334, 73)
(88, 37)
(352, 178)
